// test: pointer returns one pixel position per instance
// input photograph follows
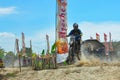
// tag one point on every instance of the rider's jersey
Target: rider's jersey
(76, 33)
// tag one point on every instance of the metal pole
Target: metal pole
(56, 35)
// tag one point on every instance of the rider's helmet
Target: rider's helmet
(75, 26)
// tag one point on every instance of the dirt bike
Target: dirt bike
(73, 50)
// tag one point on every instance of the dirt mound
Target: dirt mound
(69, 73)
(85, 69)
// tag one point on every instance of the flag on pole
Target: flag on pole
(17, 46)
(31, 48)
(61, 40)
(106, 44)
(48, 45)
(105, 37)
(111, 47)
(97, 36)
(23, 44)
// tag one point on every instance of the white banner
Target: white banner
(61, 42)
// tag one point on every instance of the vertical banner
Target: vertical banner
(23, 44)
(48, 45)
(17, 46)
(110, 43)
(61, 40)
(106, 44)
(31, 47)
(97, 36)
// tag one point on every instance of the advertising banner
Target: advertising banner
(61, 31)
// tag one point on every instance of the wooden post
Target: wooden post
(23, 49)
(19, 56)
(20, 62)
(48, 49)
(110, 47)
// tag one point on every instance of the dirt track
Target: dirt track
(91, 69)
(104, 72)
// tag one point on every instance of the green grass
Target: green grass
(11, 74)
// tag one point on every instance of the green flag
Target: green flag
(43, 52)
(53, 48)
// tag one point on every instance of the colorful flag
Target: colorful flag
(61, 40)
(43, 52)
(105, 37)
(53, 48)
(97, 36)
(106, 44)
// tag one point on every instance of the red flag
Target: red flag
(105, 37)
(106, 43)
(97, 36)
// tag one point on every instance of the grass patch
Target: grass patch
(5, 77)
(10, 75)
